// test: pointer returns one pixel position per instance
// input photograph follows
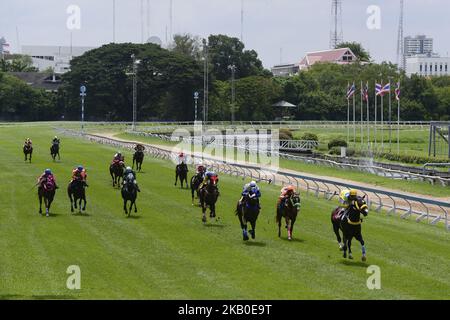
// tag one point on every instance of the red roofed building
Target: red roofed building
(338, 56)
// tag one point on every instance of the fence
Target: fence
(433, 211)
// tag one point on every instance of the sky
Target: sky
(279, 30)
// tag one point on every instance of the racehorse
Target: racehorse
(116, 171)
(47, 192)
(181, 171)
(350, 225)
(27, 150)
(129, 193)
(196, 180)
(208, 197)
(54, 151)
(248, 211)
(77, 193)
(336, 216)
(138, 157)
(289, 212)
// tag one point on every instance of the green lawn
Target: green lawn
(165, 252)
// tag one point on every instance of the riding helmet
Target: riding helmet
(48, 171)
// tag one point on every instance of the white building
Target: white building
(285, 70)
(56, 57)
(427, 66)
(418, 45)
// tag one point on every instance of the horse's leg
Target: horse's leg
(279, 223)
(31, 153)
(47, 206)
(345, 241)
(253, 231)
(135, 208)
(79, 204)
(349, 245)
(84, 201)
(176, 178)
(359, 237)
(71, 201)
(125, 206)
(337, 233)
(203, 204)
(292, 226)
(40, 204)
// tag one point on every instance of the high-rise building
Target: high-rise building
(418, 45)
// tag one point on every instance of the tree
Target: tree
(225, 51)
(187, 45)
(166, 82)
(361, 53)
(17, 63)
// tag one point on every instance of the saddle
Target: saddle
(337, 214)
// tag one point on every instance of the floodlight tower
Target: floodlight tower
(400, 40)
(336, 33)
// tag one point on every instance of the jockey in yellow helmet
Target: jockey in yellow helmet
(346, 197)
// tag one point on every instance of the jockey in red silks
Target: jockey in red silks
(79, 174)
(181, 157)
(47, 180)
(118, 157)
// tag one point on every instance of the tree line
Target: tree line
(168, 78)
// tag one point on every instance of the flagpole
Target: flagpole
(354, 120)
(390, 117)
(398, 119)
(348, 115)
(368, 117)
(376, 100)
(361, 124)
(382, 118)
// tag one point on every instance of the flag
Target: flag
(397, 91)
(351, 91)
(365, 92)
(386, 88)
(378, 89)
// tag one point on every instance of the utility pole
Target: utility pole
(336, 33)
(232, 67)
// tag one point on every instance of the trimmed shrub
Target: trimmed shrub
(337, 143)
(286, 134)
(310, 136)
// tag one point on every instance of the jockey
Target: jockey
(201, 169)
(346, 197)
(209, 175)
(127, 172)
(118, 157)
(249, 187)
(56, 140)
(45, 177)
(286, 192)
(181, 158)
(79, 173)
(28, 142)
(139, 147)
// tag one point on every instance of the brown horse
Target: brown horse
(289, 210)
(138, 158)
(28, 151)
(116, 170)
(46, 191)
(208, 198)
(181, 171)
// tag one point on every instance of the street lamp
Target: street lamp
(232, 67)
(82, 94)
(134, 74)
(195, 99)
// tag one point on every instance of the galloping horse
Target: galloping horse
(129, 193)
(208, 197)
(77, 193)
(350, 225)
(54, 151)
(196, 180)
(47, 192)
(336, 216)
(116, 171)
(181, 171)
(138, 157)
(248, 211)
(27, 150)
(289, 212)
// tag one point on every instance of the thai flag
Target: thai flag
(397, 91)
(351, 91)
(378, 89)
(365, 92)
(386, 88)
